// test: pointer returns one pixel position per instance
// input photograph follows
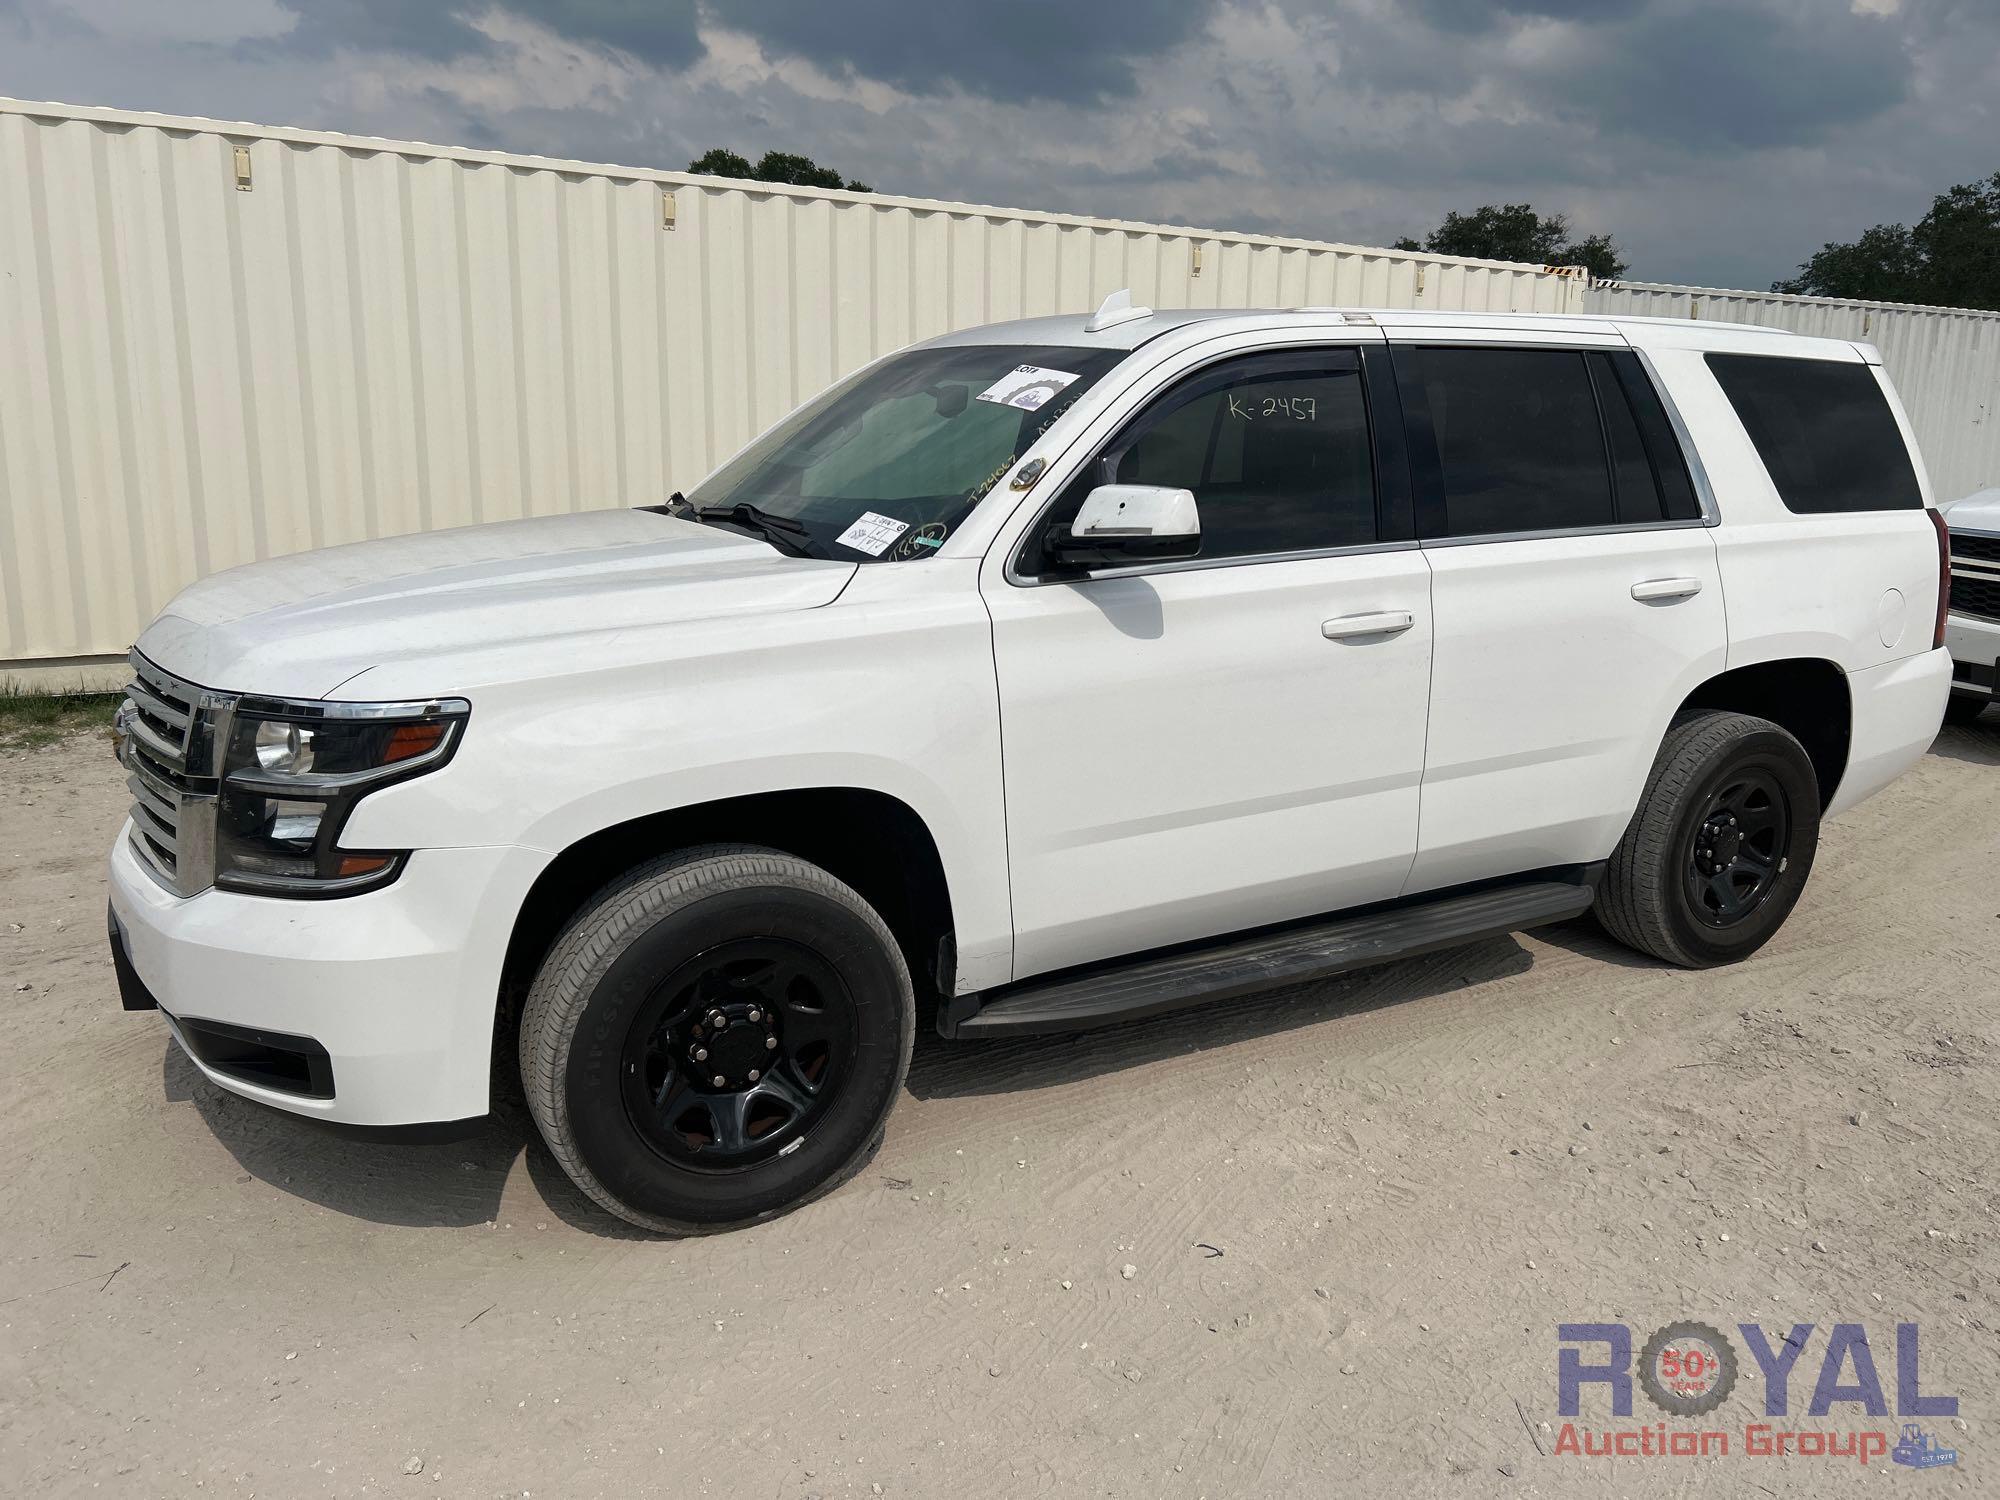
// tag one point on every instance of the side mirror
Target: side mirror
(1119, 524)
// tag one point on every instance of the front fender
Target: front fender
(895, 696)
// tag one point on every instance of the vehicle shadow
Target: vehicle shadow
(1977, 743)
(943, 1069)
(1583, 937)
(426, 1185)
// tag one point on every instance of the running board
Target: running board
(1154, 986)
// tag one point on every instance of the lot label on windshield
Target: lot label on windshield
(1027, 386)
(872, 533)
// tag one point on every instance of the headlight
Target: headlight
(292, 774)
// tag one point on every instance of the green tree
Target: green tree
(1950, 257)
(774, 166)
(719, 161)
(1514, 231)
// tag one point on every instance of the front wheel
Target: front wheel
(717, 1038)
(1720, 848)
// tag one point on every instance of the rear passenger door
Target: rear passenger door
(1575, 595)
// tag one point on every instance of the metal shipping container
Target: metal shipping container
(225, 342)
(1945, 361)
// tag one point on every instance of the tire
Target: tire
(817, 1019)
(1666, 889)
(1961, 708)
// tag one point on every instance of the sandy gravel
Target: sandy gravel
(1354, 1213)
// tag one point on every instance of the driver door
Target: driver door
(1197, 747)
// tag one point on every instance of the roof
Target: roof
(1074, 328)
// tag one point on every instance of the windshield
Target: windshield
(883, 467)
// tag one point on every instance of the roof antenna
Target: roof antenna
(1116, 309)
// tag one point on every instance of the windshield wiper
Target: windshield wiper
(781, 532)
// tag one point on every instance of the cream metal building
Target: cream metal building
(1945, 360)
(225, 342)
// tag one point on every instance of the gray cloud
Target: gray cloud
(1731, 76)
(654, 31)
(1478, 16)
(428, 31)
(997, 49)
(1720, 141)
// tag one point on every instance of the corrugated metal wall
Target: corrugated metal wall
(378, 336)
(1945, 361)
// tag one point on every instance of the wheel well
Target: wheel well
(872, 841)
(1807, 696)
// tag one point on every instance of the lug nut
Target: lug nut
(770, 1044)
(701, 1054)
(756, 1015)
(720, 1080)
(753, 1075)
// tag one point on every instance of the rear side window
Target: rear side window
(1519, 443)
(1824, 431)
(1663, 489)
(1532, 440)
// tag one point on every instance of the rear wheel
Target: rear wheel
(1720, 848)
(717, 1038)
(1961, 708)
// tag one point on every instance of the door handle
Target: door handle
(1384, 622)
(1666, 588)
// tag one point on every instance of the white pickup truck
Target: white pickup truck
(1034, 678)
(1972, 632)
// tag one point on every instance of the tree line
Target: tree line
(1948, 258)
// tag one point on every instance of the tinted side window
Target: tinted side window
(1519, 443)
(1678, 501)
(1635, 487)
(1274, 447)
(1824, 431)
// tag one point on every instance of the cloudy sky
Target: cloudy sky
(1720, 141)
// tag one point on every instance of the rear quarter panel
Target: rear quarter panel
(1860, 589)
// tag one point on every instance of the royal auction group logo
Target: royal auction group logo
(1688, 1370)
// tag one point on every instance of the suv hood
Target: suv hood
(301, 626)
(1979, 511)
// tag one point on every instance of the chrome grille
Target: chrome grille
(1975, 576)
(169, 751)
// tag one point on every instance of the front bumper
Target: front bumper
(395, 990)
(1975, 656)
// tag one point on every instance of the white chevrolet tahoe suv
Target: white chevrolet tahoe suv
(1037, 677)
(1972, 633)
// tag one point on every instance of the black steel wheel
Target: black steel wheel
(1721, 845)
(1738, 849)
(738, 1054)
(718, 1037)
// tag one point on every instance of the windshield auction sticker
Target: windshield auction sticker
(1028, 387)
(872, 533)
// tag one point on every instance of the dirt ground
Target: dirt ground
(1317, 1242)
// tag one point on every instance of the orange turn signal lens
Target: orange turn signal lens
(361, 864)
(407, 741)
